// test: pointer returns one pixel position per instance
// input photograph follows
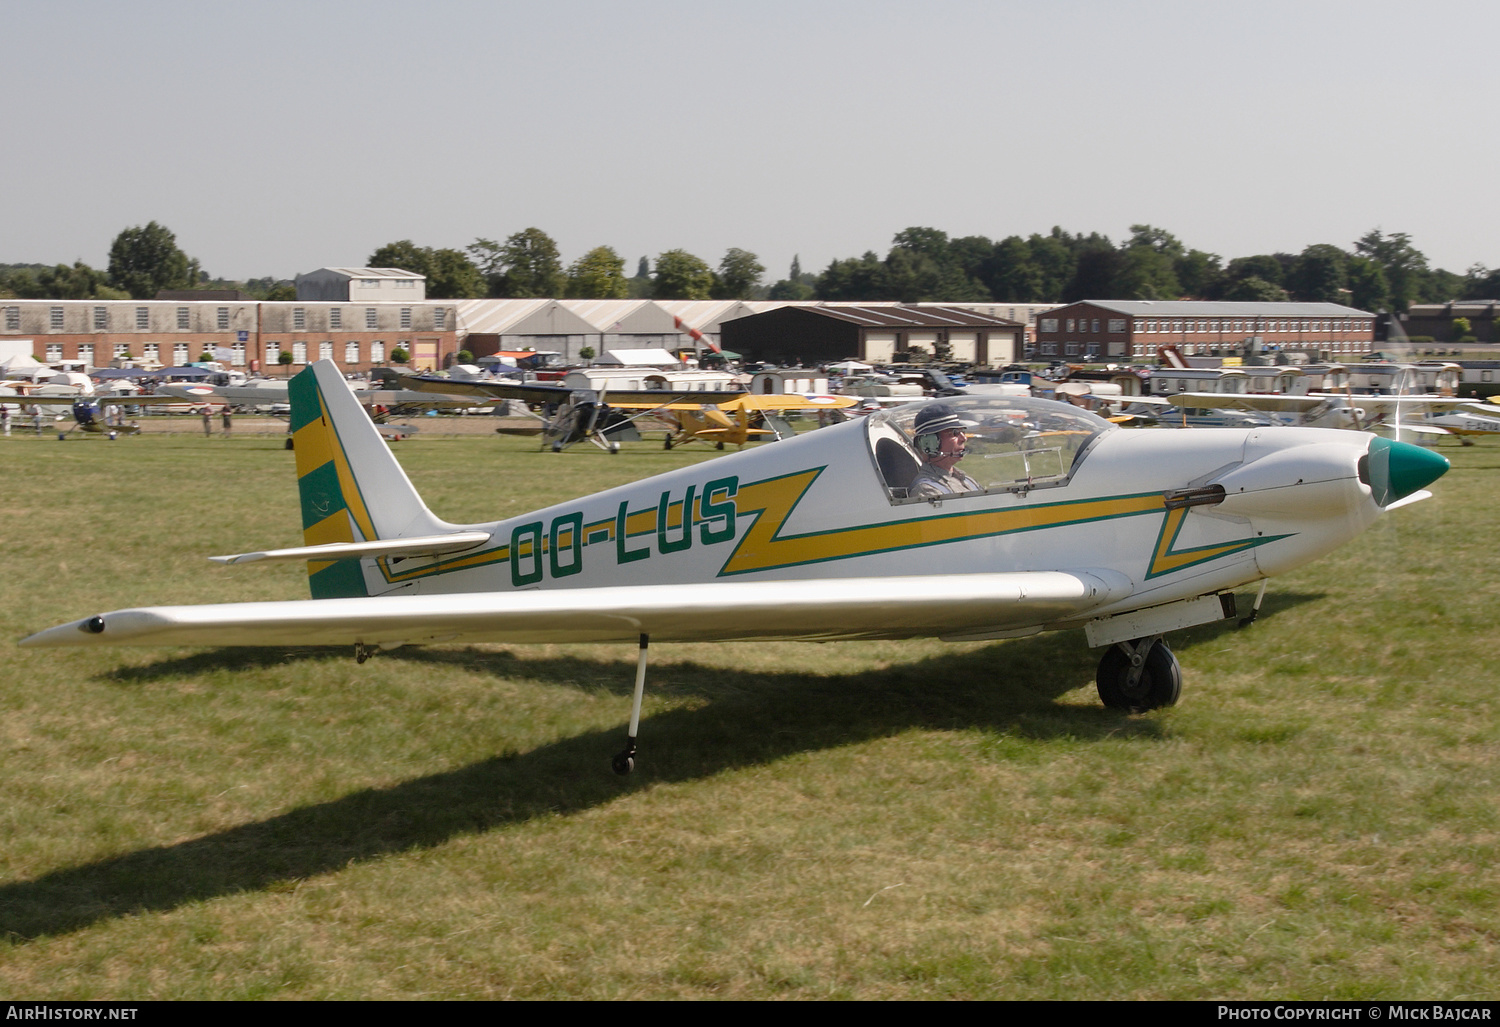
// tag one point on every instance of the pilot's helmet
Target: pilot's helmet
(936, 417)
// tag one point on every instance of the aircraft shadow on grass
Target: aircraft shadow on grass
(753, 718)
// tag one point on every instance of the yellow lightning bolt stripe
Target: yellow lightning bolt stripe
(762, 547)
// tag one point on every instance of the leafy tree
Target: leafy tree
(1263, 266)
(1461, 327)
(1318, 275)
(586, 353)
(682, 276)
(1367, 285)
(144, 261)
(1403, 264)
(1055, 262)
(1480, 283)
(739, 273)
(796, 285)
(1253, 289)
(284, 358)
(598, 275)
(452, 276)
(1198, 273)
(1010, 273)
(862, 278)
(399, 356)
(404, 255)
(530, 265)
(449, 273)
(641, 285)
(284, 293)
(1094, 275)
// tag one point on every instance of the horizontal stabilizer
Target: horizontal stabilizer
(430, 545)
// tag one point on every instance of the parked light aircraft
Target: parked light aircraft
(1330, 410)
(89, 411)
(1128, 534)
(745, 419)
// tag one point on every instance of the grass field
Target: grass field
(1317, 819)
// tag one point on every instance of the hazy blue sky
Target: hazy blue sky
(278, 137)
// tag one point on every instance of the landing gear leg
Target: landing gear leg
(363, 652)
(624, 761)
(1139, 675)
(1260, 596)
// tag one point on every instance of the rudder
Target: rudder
(352, 489)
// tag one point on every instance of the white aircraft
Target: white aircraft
(1330, 410)
(1076, 523)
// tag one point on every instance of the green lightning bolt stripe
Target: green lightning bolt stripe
(1166, 557)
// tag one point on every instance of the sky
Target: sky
(274, 138)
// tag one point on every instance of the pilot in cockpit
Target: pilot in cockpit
(940, 439)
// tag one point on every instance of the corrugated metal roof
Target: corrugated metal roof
(493, 317)
(373, 272)
(896, 315)
(1221, 308)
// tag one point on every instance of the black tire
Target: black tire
(1160, 682)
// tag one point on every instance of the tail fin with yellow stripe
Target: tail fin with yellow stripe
(351, 486)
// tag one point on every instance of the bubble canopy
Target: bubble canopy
(1014, 443)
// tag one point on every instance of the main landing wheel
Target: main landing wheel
(1139, 676)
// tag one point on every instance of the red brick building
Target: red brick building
(250, 334)
(1131, 331)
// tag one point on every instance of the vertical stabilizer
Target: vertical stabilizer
(351, 486)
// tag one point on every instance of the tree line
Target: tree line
(1378, 271)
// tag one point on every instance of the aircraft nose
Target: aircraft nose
(1394, 470)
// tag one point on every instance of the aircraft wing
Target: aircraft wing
(540, 392)
(67, 401)
(794, 401)
(1250, 401)
(954, 606)
(1402, 404)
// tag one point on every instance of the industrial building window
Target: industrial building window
(371, 320)
(377, 352)
(12, 319)
(336, 318)
(439, 319)
(406, 283)
(86, 353)
(223, 319)
(299, 319)
(1117, 324)
(1071, 323)
(179, 354)
(142, 318)
(406, 319)
(151, 353)
(239, 354)
(54, 352)
(273, 354)
(1049, 324)
(55, 319)
(101, 318)
(325, 350)
(184, 321)
(1095, 326)
(351, 352)
(299, 352)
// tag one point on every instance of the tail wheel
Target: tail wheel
(1158, 683)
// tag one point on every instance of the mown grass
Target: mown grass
(1317, 818)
